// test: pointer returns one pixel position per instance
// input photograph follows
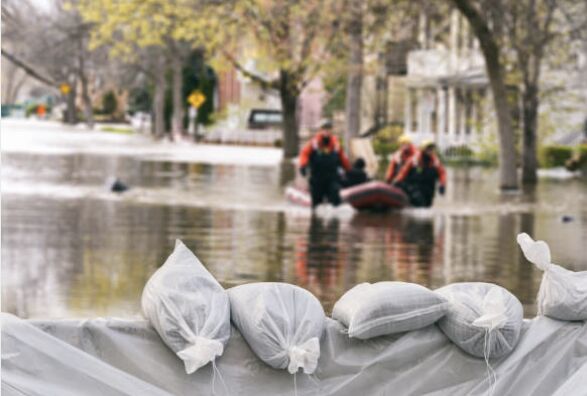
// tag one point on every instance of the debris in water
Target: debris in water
(118, 186)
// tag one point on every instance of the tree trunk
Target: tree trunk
(508, 175)
(159, 102)
(355, 74)
(507, 153)
(178, 112)
(87, 101)
(530, 105)
(70, 111)
(88, 111)
(289, 95)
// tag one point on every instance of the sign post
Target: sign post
(64, 88)
(196, 99)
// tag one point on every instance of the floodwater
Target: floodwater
(70, 248)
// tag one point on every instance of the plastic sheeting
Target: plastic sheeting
(119, 357)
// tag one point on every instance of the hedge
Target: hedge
(552, 156)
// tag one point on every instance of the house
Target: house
(439, 78)
(238, 96)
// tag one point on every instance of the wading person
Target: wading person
(419, 176)
(400, 157)
(322, 156)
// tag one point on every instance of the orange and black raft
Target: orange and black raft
(374, 195)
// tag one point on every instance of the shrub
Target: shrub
(487, 156)
(31, 109)
(554, 155)
(579, 158)
(385, 140)
(118, 130)
(109, 103)
(461, 151)
(384, 149)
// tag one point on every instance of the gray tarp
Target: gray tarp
(113, 357)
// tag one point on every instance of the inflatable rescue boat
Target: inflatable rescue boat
(374, 195)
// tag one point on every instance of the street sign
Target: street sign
(64, 88)
(196, 99)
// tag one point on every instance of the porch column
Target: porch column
(452, 115)
(487, 109)
(419, 118)
(441, 112)
(421, 111)
(475, 124)
(454, 39)
(463, 116)
(408, 111)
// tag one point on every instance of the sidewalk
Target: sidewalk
(48, 137)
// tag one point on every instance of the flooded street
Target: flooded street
(70, 248)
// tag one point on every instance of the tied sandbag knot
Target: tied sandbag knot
(201, 351)
(537, 252)
(304, 356)
(494, 317)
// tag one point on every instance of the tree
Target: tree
(536, 31)
(370, 25)
(292, 42)
(56, 48)
(490, 47)
(531, 33)
(13, 79)
(16, 69)
(355, 72)
(151, 35)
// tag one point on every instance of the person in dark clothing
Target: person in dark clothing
(418, 176)
(356, 175)
(323, 157)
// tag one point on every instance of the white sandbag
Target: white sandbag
(370, 310)
(563, 293)
(188, 308)
(484, 319)
(282, 323)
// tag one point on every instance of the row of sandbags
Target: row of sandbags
(283, 323)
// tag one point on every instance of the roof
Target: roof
(474, 79)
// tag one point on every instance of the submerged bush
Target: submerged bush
(385, 140)
(486, 155)
(552, 156)
(109, 103)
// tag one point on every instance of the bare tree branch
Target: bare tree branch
(28, 70)
(264, 83)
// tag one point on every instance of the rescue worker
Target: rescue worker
(419, 175)
(356, 175)
(323, 157)
(400, 157)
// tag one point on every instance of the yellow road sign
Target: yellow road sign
(64, 88)
(196, 99)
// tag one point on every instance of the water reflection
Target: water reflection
(320, 261)
(90, 253)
